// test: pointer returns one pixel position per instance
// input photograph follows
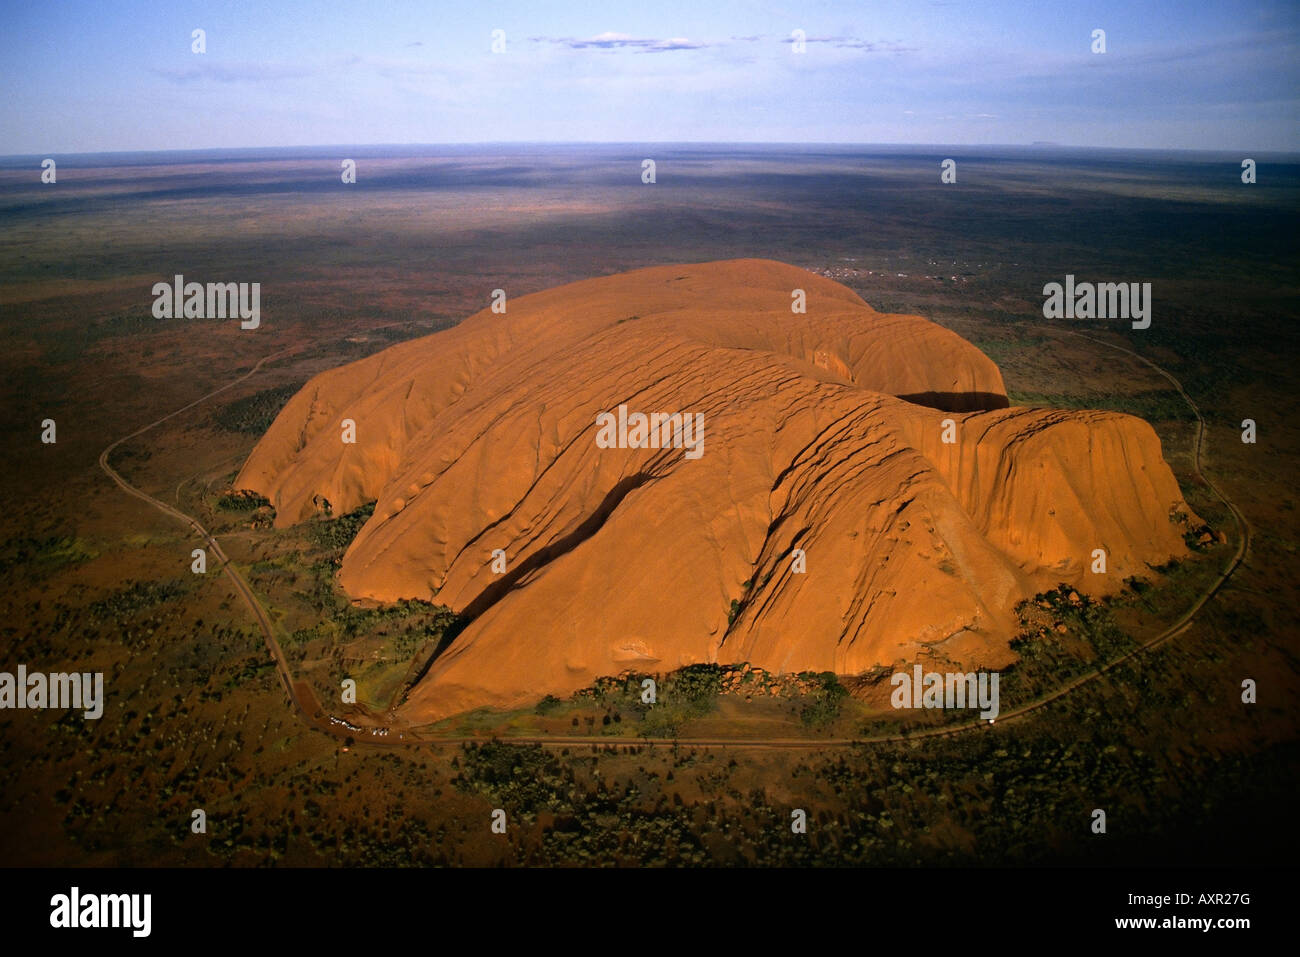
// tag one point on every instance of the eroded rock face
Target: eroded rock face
(821, 432)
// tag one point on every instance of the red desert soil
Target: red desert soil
(484, 437)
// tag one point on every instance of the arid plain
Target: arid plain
(195, 716)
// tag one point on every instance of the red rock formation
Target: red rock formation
(484, 437)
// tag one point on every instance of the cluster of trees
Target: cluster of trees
(336, 534)
(823, 705)
(253, 414)
(688, 693)
(242, 500)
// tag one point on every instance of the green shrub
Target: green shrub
(549, 705)
(824, 706)
(254, 414)
(338, 533)
(242, 500)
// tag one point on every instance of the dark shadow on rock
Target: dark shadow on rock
(517, 576)
(959, 401)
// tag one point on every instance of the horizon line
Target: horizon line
(789, 144)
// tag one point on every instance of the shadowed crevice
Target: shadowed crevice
(561, 546)
(959, 401)
(517, 578)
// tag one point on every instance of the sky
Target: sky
(107, 76)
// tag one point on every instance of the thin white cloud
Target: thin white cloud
(623, 41)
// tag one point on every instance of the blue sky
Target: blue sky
(105, 75)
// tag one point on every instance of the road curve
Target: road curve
(304, 703)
